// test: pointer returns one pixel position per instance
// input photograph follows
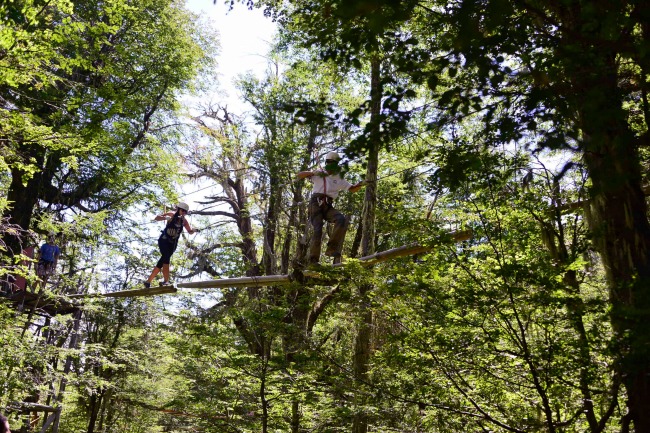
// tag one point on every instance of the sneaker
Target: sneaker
(147, 284)
(166, 283)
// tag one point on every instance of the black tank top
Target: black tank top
(173, 229)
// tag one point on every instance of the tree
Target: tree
(85, 107)
(569, 75)
(572, 70)
(275, 155)
(76, 130)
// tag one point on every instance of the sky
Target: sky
(245, 38)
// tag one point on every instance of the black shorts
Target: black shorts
(45, 268)
(166, 248)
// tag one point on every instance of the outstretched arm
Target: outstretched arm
(189, 229)
(304, 174)
(164, 216)
(357, 187)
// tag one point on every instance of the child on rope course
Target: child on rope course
(168, 240)
(326, 186)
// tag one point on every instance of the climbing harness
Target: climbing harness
(322, 199)
(173, 229)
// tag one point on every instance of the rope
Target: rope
(247, 169)
(258, 214)
(194, 192)
(407, 169)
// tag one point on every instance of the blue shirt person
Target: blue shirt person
(50, 253)
(48, 258)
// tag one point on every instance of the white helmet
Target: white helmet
(183, 206)
(332, 156)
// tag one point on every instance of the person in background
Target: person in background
(48, 257)
(326, 186)
(168, 240)
(4, 424)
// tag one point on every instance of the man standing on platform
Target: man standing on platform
(326, 186)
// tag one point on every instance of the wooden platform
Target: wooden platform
(25, 300)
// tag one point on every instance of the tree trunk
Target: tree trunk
(295, 416)
(22, 202)
(270, 226)
(298, 212)
(94, 405)
(293, 340)
(619, 224)
(558, 248)
(356, 243)
(67, 366)
(263, 400)
(245, 226)
(363, 343)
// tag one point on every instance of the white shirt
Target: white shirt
(329, 185)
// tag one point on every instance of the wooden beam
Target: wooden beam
(50, 419)
(408, 250)
(129, 293)
(41, 304)
(266, 280)
(26, 407)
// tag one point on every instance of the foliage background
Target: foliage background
(481, 116)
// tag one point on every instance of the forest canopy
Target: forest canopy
(494, 269)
